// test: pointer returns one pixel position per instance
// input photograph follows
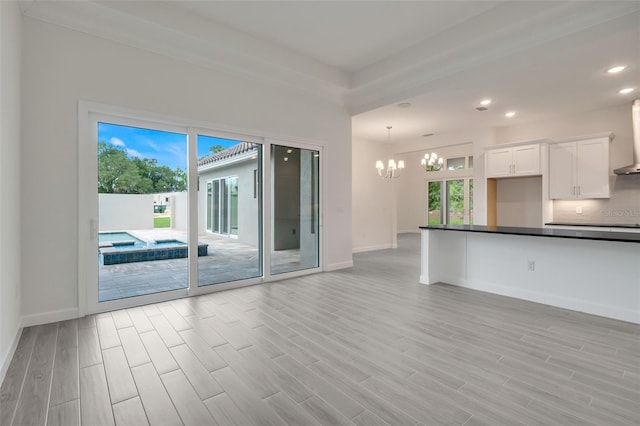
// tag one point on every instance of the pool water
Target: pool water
(119, 237)
(157, 244)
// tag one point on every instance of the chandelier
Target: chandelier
(393, 170)
(431, 162)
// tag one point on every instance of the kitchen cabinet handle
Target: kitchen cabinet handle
(578, 190)
(573, 190)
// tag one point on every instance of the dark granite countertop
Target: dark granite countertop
(627, 237)
(598, 225)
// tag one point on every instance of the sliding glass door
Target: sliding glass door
(230, 211)
(142, 201)
(295, 209)
(174, 211)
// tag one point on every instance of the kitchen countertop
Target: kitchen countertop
(627, 237)
(596, 225)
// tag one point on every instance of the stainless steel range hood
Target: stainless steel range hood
(635, 167)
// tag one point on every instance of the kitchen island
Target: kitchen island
(596, 272)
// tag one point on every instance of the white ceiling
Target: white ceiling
(538, 58)
(345, 34)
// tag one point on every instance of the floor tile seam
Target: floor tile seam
(77, 353)
(495, 407)
(449, 371)
(593, 372)
(575, 409)
(24, 380)
(440, 398)
(380, 397)
(634, 401)
(210, 373)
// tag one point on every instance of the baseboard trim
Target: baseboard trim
(49, 317)
(6, 361)
(557, 301)
(341, 265)
(373, 248)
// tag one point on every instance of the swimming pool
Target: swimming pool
(105, 239)
(122, 247)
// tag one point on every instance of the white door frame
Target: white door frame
(89, 113)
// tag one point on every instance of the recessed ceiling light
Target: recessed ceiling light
(616, 69)
(485, 102)
(510, 114)
(404, 105)
(626, 90)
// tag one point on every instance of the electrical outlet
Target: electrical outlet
(531, 265)
(579, 210)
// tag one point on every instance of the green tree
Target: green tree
(118, 173)
(435, 192)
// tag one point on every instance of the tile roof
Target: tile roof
(240, 148)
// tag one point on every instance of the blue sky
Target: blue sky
(169, 149)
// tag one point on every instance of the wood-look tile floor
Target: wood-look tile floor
(364, 346)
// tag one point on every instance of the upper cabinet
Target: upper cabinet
(511, 161)
(579, 167)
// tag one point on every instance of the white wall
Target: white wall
(121, 212)
(412, 188)
(10, 131)
(62, 66)
(248, 207)
(179, 210)
(373, 199)
(616, 119)
(519, 202)
(376, 216)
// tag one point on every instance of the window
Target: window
(434, 203)
(450, 201)
(456, 163)
(455, 201)
(222, 206)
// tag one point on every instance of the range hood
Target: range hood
(635, 167)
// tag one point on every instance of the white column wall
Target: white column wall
(121, 212)
(62, 66)
(373, 199)
(10, 194)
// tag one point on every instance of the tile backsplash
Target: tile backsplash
(623, 208)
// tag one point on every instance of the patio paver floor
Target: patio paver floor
(227, 260)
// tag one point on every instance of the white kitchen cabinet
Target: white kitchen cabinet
(511, 161)
(580, 168)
